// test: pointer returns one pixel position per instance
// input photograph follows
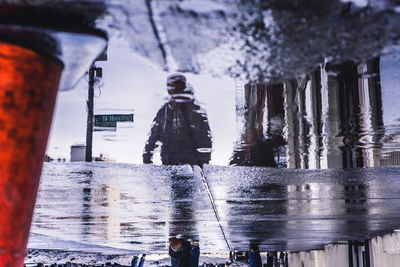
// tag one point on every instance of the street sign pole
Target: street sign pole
(93, 73)
(89, 128)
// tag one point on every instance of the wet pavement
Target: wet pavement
(301, 210)
(121, 208)
(318, 91)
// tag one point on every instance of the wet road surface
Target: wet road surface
(120, 208)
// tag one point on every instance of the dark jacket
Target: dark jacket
(183, 130)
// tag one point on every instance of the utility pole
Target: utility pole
(93, 74)
(89, 128)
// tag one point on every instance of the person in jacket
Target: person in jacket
(181, 126)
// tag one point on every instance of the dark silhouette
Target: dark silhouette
(181, 126)
(252, 257)
(261, 142)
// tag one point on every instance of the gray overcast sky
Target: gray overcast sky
(133, 84)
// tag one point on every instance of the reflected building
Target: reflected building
(260, 114)
(334, 117)
(334, 120)
(260, 118)
(330, 119)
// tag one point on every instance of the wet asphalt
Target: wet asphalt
(122, 208)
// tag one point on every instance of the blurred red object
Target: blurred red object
(28, 88)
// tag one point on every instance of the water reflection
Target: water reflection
(139, 207)
(107, 223)
(278, 40)
(91, 197)
(125, 207)
(283, 39)
(87, 214)
(262, 140)
(181, 126)
(341, 110)
(299, 209)
(183, 214)
(332, 118)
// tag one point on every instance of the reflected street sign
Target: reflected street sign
(113, 118)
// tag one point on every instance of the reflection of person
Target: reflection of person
(134, 262)
(181, 126)
(261, 141)
(183, 213)
(184, 253)
(252, 258)
(254, 152)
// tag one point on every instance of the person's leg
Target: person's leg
(286, 260)
(134, 261)
(270, 260)
(254, 256)
(195, 255)
(276, 259)
(141, 262)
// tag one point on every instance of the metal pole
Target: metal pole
(204, 180)
(367, 254)
(89, 128)
(350, 245)
(357, 254)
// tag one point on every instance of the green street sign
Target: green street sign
(113, 118)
